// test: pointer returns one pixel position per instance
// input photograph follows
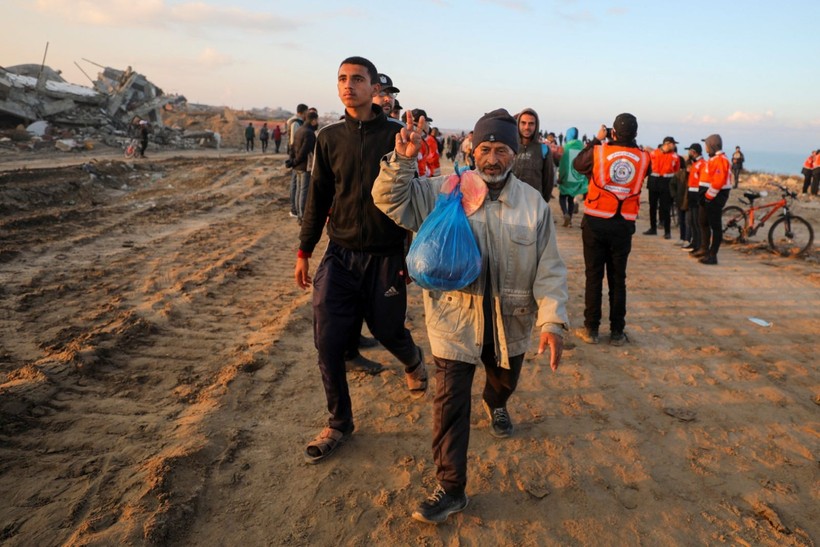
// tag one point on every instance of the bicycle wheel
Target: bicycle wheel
(791, 236)
(733, 219)
(131, 151)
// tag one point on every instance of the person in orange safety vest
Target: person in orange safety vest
(815, 181)
(665, 164)
(616, 168)
(717, 176)
(808, 169)
(696, 167)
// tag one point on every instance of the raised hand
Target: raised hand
(408, 140)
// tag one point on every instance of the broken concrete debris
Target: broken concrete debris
(70, 116)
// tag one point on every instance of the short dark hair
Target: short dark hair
(312, 116)
(301, 108)
(361, 61)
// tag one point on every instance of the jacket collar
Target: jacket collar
(379, 117)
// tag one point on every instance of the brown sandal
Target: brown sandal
(325, 444)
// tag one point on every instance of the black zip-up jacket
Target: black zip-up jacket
(303, 143)
(345, 164)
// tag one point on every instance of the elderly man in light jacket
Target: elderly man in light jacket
(523, 282)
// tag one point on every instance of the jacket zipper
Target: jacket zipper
(361, 186)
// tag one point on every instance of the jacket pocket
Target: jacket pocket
(518, 315)
(448, 310)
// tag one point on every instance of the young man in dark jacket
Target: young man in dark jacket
(533, 163)
(303, 143)
(362, 272)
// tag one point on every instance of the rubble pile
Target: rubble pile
(68, 116)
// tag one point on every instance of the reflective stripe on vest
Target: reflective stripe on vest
(617, 178)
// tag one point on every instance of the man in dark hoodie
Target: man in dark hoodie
(303, 143)
(362, 273)
(533, 163)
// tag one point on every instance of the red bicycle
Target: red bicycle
(789, 235)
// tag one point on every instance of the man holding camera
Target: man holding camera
(616, 169)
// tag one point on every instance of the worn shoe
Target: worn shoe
(688, 248)
(708, 259)
(699, 253)
(667, 235)
(439, 506)
(587, 335)
(566, 221)
(417, 378)
(502, 426)
(360, 363)
(367, 342)
(618, 339)
(651, 232)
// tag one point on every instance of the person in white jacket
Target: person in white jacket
(523, 282)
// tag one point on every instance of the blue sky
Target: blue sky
(747, 70)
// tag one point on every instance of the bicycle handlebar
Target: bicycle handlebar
(786, 191)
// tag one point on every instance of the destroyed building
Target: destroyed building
(38, 98)
(30, 92)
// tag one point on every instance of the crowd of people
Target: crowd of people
(370, 179)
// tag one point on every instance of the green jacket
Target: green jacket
(570, 181)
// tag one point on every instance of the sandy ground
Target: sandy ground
(158, 383)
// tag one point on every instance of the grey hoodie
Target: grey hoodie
(534, 163)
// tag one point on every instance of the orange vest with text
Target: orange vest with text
(617, 179)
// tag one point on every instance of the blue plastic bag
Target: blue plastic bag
(444, 255)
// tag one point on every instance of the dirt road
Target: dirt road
(158, 383)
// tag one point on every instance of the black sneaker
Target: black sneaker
(651, 232)
(708, 259)
(439, 506)
(502, 426)
(618, 339)
(667, 235)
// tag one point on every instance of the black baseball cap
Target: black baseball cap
(418, 113)
(696, 147)
(669, 139)
(387, 84)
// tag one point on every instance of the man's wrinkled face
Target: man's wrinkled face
(386, 100)
(354, 85)
(526, 125)
(493, 161)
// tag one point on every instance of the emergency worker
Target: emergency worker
(696, 167)
(665, 164)
(808, 168)
(616, 168)
(717, 176)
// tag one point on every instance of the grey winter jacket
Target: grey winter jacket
(516, 237)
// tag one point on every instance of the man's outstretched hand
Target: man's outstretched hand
(408, 140)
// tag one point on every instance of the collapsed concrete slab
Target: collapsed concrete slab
(32, 92)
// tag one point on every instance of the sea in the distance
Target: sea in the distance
(781, 163)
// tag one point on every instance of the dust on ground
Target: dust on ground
(158, 384)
